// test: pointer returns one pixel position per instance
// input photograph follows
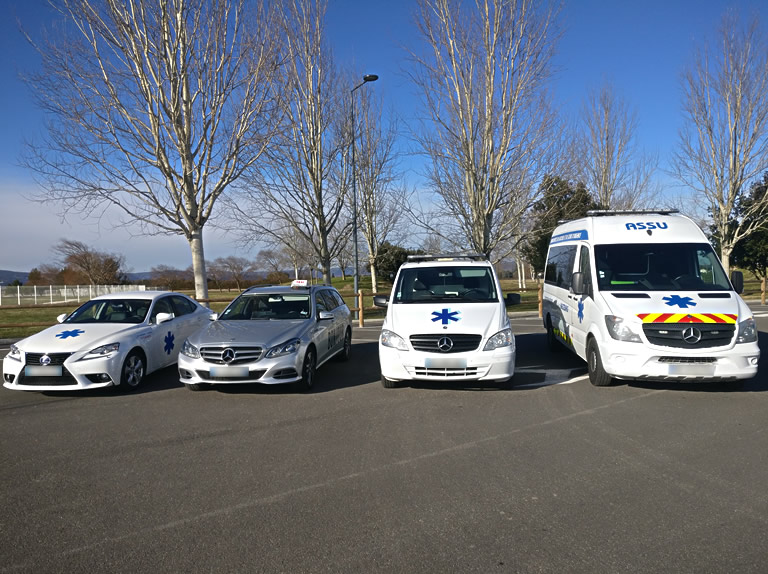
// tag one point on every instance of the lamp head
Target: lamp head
(370, 78)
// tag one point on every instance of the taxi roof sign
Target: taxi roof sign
(299, 284)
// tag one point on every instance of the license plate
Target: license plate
(230, 372)
(48, 371)
(692, 370)
(445, 363)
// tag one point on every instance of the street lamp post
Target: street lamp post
(367, 78)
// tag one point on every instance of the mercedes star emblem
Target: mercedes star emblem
(228, 355)
(691, 335)
(445, 344)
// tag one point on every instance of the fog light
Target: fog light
(104, 377)
(753, 360)
(9, 378)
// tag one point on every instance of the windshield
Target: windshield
(429, 284)
(659, 267)
(266, 306)
(110, 311)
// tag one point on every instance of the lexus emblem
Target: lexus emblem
(445, 344)
(45, 360)
(228, 355)
(691, 335)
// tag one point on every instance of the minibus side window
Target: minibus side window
(560, 266)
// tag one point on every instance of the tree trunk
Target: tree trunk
(725, 258)
(374, 286)
(198, 265)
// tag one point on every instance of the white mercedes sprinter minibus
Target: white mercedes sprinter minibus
(642, 295)
(446, 321)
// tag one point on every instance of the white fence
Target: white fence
(52, 294)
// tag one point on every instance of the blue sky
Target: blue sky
(641, 47)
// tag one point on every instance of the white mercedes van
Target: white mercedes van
(642, 295)
(446, 321)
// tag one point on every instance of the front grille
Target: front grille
(64, 380)
(458, 373)
(57, 359)
(461, 343)
(252, 376)
(687, 360)
(671, 335)
(242, 354)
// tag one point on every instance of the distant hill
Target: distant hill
(8, 277)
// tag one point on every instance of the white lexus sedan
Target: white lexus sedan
(112, 339)
(269, 335)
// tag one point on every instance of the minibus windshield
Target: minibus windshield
(659, 267)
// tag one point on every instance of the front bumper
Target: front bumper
(496, 365)
(278, 371)
(75, 374)
(635, 361)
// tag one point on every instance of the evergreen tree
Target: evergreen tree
(561, 199)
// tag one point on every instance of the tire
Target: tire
(597, 375)
(133, 371)
(346, 351)
(388, 383)
(553, 344)
(195, 386)
(308, 371)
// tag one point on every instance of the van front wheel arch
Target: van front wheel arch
(597, 374)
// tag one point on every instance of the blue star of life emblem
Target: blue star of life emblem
(445, 316)
(169, 342)
(581, 310)
(682, 302)
(72, 333)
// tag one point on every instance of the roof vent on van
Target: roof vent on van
(448, 257)
(599, 212)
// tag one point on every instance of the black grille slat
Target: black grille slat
(33, 359)
(671, 334)
(461, 342)
(65, 379)
(242, 355)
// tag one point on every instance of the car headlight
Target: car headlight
(620, 330)
(189, 350)
(286, 348)
(501, 339)
(392, 339)
(102, 351)
(14, 353)
(747, 331)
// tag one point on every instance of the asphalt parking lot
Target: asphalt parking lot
(554, 475)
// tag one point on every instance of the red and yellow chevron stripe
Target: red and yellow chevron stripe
(687, 318)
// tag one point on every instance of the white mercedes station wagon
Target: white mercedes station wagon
(269, 335)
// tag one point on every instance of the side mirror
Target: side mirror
(163, 317)
(737, 278)
(577, 283)
(213, 316)
(381, 300)
(61, 317)
(324, 316)
(513, 299)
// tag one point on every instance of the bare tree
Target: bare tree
(382, 198)
(156, 108)
(235, 268)
(490, 134)
(613, 168)
(301, 188)
(100, 268)
(724, 142)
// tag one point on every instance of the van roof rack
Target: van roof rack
(600, 212)
(447, 257)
